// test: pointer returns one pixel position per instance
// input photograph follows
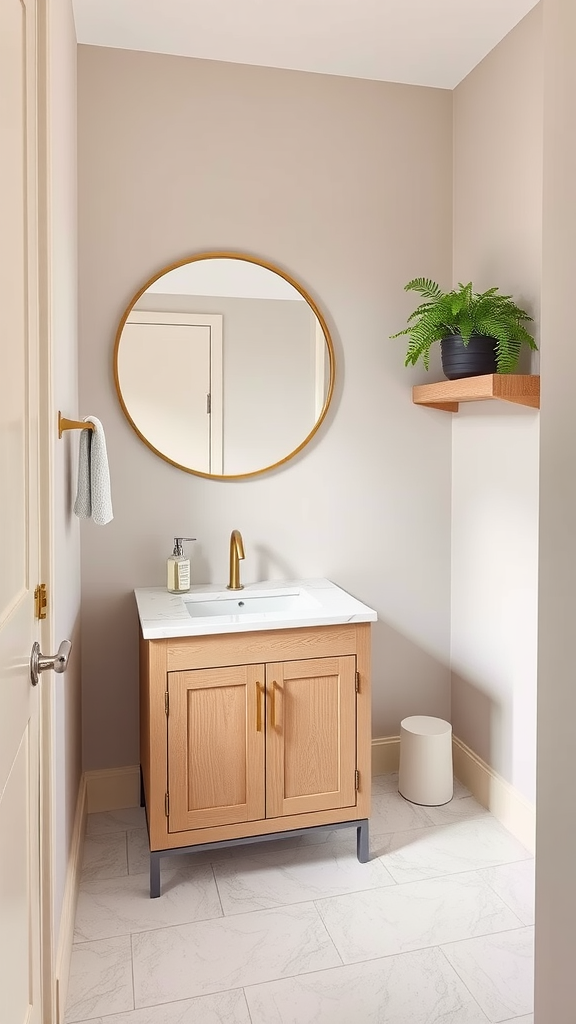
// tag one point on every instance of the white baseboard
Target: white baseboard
(66, 933)
(488, 788)
(385, 755)
(111, 788)
(512, 809)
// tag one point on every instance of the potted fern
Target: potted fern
(479, 332)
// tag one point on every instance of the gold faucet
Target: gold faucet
(236, 553)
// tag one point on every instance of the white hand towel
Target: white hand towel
(93, 498)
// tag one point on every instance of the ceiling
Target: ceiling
(418, 42)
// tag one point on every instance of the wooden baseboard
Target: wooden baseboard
(111, 788)
(516, 813)
(66, 932)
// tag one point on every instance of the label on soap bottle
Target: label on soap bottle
(183, 574)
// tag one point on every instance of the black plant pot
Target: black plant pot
(471, 360)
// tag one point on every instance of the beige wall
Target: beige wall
(347, 185)
(498, 241)
(556, 822)
(65, 540)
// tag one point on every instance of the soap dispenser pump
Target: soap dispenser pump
(178, 568)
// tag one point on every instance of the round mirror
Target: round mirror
(224, 365)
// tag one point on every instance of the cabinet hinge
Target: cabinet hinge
(357, 682)
(167, 702)
(40, 601)
(356, 780)
(208, 404)
(167, 805)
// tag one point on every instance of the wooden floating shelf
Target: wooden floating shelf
(522, 389)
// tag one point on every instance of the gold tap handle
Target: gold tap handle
(258, 707)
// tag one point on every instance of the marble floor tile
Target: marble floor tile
(456, 810)
(514, 884)
(139, 856)
(446, 849)
(385, 783)
(498, 970)
(220, 1008)
(415, 988)
(392, 813)
(119, 906)
(282, 877)
(115, 821)
(389, 784)
(139, 850)
(212, 956)
(460, 790)
(104, 856)
(382, 922)
(100, 979)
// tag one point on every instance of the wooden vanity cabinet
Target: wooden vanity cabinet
(245, 734)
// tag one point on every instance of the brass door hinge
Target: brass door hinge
(357, 682)
(167, 702)
(167, 805)
(356, 780)
(40, 601)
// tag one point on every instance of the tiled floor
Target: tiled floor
(436, 928)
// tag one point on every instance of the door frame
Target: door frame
(46, 425)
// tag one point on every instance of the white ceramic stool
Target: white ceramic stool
(425, 775)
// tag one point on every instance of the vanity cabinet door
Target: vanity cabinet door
(310, 736)
(216, 773)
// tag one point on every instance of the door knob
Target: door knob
(41, 662)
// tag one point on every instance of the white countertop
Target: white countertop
(317, 602)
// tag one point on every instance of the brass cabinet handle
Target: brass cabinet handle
(273, 705)
(258, 707)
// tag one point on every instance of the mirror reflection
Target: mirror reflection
(224, 365)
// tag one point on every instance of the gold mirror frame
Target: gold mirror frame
(275, 270)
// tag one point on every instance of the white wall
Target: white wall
(325, 177)
(555, 821)
(498, 241)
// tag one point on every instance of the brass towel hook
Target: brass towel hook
(64, 424)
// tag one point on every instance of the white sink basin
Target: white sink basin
(274, 604)
(248, 604)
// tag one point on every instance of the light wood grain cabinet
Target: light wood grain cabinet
(252, 734)
(310, 736)
(216, 747)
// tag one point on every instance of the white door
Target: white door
(19, 701)
(170, 378)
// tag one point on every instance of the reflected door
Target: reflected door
(20, 1001)
(171, 371)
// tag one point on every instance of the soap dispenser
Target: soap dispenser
(178, 566)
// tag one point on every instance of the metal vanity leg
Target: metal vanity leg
(363, 842)
(154, 875)
(142, 797)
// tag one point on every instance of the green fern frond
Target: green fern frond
(468, 313)
(466, 327)
(425, 286)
